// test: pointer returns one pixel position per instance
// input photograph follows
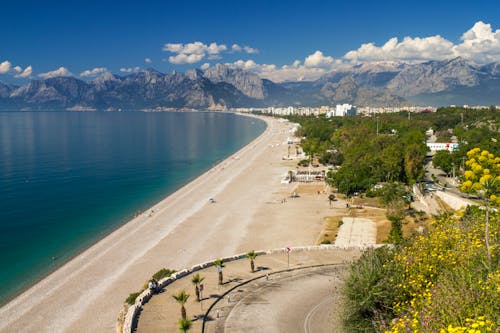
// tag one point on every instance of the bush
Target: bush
(131, 298)
(369, 291)
(325, 241)
(304, 163)
(438, 282)
(163, 273)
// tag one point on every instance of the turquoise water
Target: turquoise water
(67, 179)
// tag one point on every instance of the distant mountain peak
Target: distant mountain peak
(248, 83)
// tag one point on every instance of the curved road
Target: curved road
(303, 300)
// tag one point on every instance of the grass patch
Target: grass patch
(330, 229)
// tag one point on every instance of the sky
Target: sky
(281, 40)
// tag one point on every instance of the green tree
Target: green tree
(196, 280)
(184, 324)
(251, 256)
(219, 265)
(414, 162)
(182, 298)
(443, 160)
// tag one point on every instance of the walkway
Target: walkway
(356, 231)
(161, 313)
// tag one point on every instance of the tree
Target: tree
(184, 324)
(331, 198)
(414, 163)
(196, 280)
(219, 265)
(252, 255)
(482, 176)
(182, 298)
(443, 160)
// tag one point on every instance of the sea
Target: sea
(67, 179)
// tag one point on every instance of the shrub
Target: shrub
(163, 273)
(131, 298)
(368, 291)
(325, 241)
(437, 282)
(304, 163)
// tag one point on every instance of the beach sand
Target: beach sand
(87, 293)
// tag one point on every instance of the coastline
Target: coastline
(21, 304)
(61, 262)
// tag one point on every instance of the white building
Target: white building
(437, 146)
(342, 110)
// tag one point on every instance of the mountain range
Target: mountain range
(455, 81)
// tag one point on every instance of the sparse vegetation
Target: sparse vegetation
(131, 298)
(163, 273)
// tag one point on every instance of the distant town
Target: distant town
(341, 110)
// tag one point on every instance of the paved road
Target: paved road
(297, 301)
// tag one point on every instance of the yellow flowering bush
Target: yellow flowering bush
(482, 174)
(437, 282)
(447, 286)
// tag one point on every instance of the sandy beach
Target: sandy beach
(249, 212)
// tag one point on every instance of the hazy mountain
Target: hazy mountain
(435, 76)
(455, 81)
(347, 90)
(146, 89)
(248, 83)
(6, 89)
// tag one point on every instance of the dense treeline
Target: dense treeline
(391, 147)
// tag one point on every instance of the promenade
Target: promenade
(280, 296)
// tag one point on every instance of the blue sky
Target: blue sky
(76, 36)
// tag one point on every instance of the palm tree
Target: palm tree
(218, 264)
(182, 298)
(331, 198)
(184, 324)
(197, 279)
(252, 255)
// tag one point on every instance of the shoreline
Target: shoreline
(58, 265)
(10, 310)
(94, 240)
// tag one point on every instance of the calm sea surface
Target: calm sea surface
(67, 178)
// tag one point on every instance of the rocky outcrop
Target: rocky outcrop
(248, 83)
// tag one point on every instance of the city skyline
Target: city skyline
(282, 42)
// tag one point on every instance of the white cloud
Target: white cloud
(480, 44)
(191, 53)
(23, 73)
(250, 50)
(183, 58)
(314, 66)
(148, 60)
(318, 60)
(247, 49)
(205, 66)
(130, 69)
(94, 72)
(61, 71)
(5, 67)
